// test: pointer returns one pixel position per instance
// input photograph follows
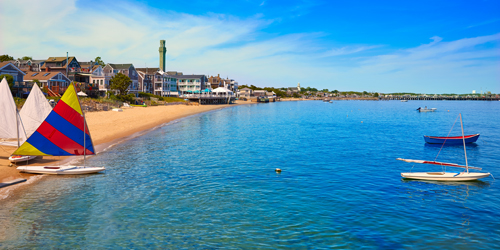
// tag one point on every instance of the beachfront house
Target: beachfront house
(192, 83)
(128, 69)
(245, 92)
(55, 83)
(146, 79)
(259, 93)
(65, 65)
(97, 79)
(9, 68)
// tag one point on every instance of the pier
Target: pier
(209, 99)
(442, 98)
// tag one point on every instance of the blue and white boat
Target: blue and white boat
(453, 140)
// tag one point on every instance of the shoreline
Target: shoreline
(107, 128)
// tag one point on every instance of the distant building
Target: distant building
(259, 93)
(127, 69)
(98, 80)
(245, 92)
(192, 83)
(61, 64)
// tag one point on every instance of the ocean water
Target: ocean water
(209, 182)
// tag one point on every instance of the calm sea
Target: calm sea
(209, 182)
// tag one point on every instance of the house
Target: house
(9, 68)
(147, 78)
(192, 83)
(259, 93)
(245, 92)
(128, 69)
(55, 82)
(65, 65)
(97, 79)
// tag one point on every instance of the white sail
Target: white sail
(35, 110)
(9, 120)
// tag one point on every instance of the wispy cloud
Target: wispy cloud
(237, 47)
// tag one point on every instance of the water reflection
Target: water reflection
(460, 146)
(446, 194)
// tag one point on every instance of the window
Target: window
(46, 74)
(101, 82)
(34, 74)
(93, 81)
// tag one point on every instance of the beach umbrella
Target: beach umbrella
(207, 90)
(196, 91)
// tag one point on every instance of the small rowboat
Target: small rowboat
(426, 109)
(454, 140)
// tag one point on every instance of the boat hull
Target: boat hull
(69, 170)
(21, 158)
(445, 176)
(427, 110)
(457, 140)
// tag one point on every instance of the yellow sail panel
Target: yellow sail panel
(71, 99)
(28, 149)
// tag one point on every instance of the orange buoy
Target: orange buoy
(278, 170)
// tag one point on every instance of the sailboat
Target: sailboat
(10, 123)
(63, 133)
(34, 111)
(446, 176)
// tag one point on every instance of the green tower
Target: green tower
(163, 55)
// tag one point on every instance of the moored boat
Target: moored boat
(453, 140)
(426, 109)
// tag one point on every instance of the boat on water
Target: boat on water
(404, 100)
(64, 132)
(452, 140)
(443, 175)
(426, 109)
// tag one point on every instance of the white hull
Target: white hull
(428, 110)
(21, 158)
(60, 170)
(445, 176)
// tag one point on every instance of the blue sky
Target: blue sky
(383, 46)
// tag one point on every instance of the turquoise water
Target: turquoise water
(208, 181)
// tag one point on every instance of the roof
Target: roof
(58, 59)
(5, 64)
(148, 70)
(120, 66)
(189, 76)
(260, 91)
(245, 89)
(38, 61)
(41, 76)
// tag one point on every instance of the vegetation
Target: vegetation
(148, 96)
(99, 61)
(10, 80)
(26, 58)
(4, 58)
(120, 82)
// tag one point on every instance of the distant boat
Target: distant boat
(454, 140)
(426, 109)
(404, 100)
(446, 176)
(63, 133)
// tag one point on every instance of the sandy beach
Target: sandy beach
(105, 127)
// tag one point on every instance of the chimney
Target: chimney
(47, 69)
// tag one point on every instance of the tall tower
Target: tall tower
(163, 54)
(298, 86)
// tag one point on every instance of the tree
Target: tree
(10, 80)
(4, 58)
(121, 83)
(375, 95)
(25, 58)
(99, 61)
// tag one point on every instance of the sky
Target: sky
(375, 46)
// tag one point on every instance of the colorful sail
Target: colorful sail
(61, 134)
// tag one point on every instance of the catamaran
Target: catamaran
(34, 111)
(446, 176)
(63, 133)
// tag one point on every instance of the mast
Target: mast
(17, 127)
(463, 138)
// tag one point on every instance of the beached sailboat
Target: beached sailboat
(446, 176)
(11, 128)
(63, 133)
(34, 111)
